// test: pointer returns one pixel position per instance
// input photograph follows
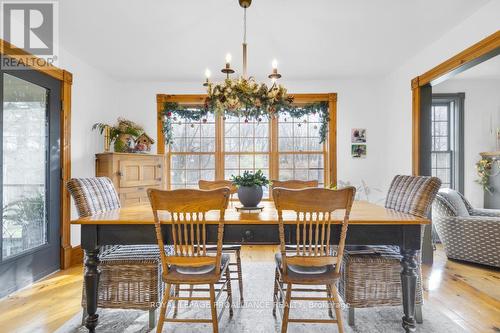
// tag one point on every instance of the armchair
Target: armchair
(467, 233)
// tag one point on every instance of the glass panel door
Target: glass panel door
(30, 179)
(24, 171)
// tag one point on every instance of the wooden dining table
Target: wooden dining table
(369, 224)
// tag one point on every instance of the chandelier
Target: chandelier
(243, 96)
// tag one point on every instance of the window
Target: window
(301, 156)
(217, 147)
(446, 145)
(192, 155)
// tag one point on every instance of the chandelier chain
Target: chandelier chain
(244, 25)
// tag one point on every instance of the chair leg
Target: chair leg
(338, 311)
(163, 308)
(229, 292)
(191, 287)
(152, 318)
(240, 276)
(275, 294)
(176, 302)
(418, 314)
(215, 323)
(330, 303)
(350, 319)
(84, 316)
(286, 310)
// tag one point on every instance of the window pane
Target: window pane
(246, 146)
(25, 136)
(194, 136)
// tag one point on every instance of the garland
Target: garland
(484, 167)
(173, 112)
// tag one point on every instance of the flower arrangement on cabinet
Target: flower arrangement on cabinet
(126, 136)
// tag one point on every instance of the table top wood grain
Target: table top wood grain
(362, 213)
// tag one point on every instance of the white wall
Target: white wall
(397, 93)
(93, 100)
(482, 114)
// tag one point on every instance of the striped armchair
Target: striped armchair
(130, 274)
(467, 233)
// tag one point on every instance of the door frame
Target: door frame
(66, 79)
(421, 87)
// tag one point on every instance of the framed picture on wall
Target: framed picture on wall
(358, 151)
(358, 135)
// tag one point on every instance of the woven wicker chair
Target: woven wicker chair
(371, 275)
(233, 248)
(467, 234)
(130, 275)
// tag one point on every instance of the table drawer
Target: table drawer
(250, 234)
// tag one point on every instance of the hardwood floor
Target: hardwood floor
(467, 294)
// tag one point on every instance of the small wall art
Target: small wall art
(358, 151)
(358, 135)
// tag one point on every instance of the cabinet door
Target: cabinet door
(140, 172)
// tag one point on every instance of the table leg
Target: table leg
(409, 285)
(91, 277)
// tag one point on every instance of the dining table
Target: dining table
(369, 224)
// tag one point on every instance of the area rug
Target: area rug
(256, 315)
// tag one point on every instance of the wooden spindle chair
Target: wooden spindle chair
(316, 260)
(227, 248)
(294, 184)
(191, 263)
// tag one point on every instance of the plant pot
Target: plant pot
(250, 196)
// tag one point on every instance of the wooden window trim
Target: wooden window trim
(330, 148)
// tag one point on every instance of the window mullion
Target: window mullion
(219, 147)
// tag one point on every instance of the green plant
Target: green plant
(27, 213)
(483, 167)
(173, 113)
(250, 179)
(119, 132)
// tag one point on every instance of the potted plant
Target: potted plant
(250, 187)
(122, 134)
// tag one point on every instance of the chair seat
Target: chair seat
(307, 274)
(196, 275)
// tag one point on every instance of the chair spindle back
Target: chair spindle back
(313, 209)
(187, 211)
(294, 184)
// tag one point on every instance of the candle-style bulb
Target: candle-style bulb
(207, 73)
(228, 58)
(275, 64)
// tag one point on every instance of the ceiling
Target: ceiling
(490, 69)
(175, 40)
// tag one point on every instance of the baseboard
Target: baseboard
(76, 256)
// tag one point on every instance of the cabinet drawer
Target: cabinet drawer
(135, 196)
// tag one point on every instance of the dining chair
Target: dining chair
(129, 274)
(371, 274)
(191, 263)
(294, 184)
(315, 261)
(227, 248)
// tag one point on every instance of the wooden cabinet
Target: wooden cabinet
(132, 174)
